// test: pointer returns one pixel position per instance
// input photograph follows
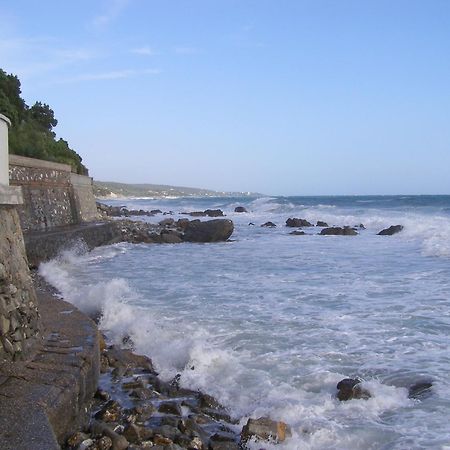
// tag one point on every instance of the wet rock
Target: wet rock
(240, 209)
(265, 429)
(118, 357)
(170, 408)
(171, 237)
(156, 211)
(136, 434)
(296, 223)
(135, 384)
(218, 445)
(338, 231)
(142, 394)
(214, 212)
(269, 225)
(321, 224)
(76, 439)
(104, 443)
(102, 395)
(420, 390)
(182, 223)
(167, 222)
(162, 440)
(208, 401)
(361, 225)
(119, 442)
(350, 389)
(110, 412)
(393, 229)
(297, 233)
(210, 231)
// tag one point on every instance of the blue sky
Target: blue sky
(275, 96)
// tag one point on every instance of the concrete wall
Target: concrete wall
(52, 195)
(4, 125)
(19, 318)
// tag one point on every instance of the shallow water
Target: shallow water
(269, 322)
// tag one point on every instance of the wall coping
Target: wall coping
(5, 119)
(23, 161)
(10, 195)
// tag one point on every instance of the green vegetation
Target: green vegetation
(31, 133)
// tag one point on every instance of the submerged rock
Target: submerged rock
(393, 229)
(321, 224)
(268, 224)
(297, 233)
(350, 389)
(338, 231)
(265, 429)
(420, 389)
(296, 223)
(240, 209)
(210, 231)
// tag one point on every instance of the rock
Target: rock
(214, 212)
(119, 442)
(361, 225)
(135, 434)
(102, 395)
(167, 222)
(142, 393)
(76, 439)
(182, 223)
(123, 357)
(297, 233)
(268, 224)
(240, 209)
(170, 408)
(210, 231)
(296, 223)
(155, 211)
(171, 237)
(110, 412)
(350, 389)
(321, 224)
(104, 443)
(265, 429)
(161, 440)
(393, 229)
(338, 231)
(219, 445)
(420, 389)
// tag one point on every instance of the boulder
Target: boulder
(268, 224)
(214, 212)
(240, 209)
(182, 223)
(265, 429)
(210, 231)
(297, 233)
(155, 211)
(167, 222)
(393, 229)
(350, 389)
(321, 224)
(294, 222)
(338, 231)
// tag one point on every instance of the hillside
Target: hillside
(110, 189)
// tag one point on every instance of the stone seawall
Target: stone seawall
(53, 196)
(19, 318)
(45, 245)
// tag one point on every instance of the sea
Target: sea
(270, 322)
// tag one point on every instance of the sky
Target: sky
(283, 97)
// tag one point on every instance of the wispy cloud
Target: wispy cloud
(115, 9)
(112, 75)
(144, 51)
(186, 50)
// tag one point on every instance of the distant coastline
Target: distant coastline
(114, 190)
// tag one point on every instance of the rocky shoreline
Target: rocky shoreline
(134, 409)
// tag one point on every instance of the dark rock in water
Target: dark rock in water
(182, 223)
(210, 231)
(268, 224)
(420, 389)
(156, 211)
(251, 224)
(361, 225)
(321, 224)
(297, 233)
(167, 222)
(296, 223)
(338, 231)
(214, 212)
(171, 237)
(393, 229)
(350, 388)
(265, 429)
(170, 408)
(240, 209)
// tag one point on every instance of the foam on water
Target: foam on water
(270, 323)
